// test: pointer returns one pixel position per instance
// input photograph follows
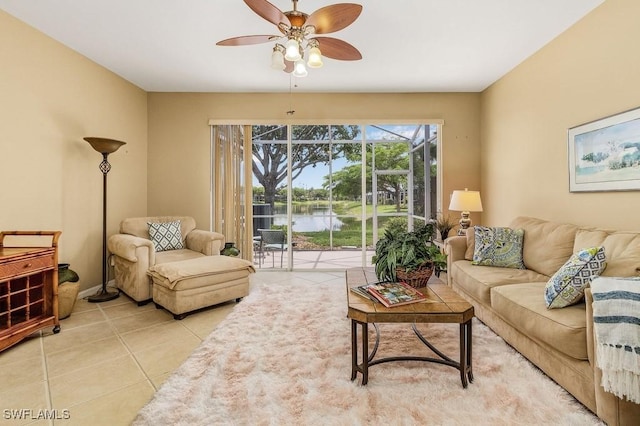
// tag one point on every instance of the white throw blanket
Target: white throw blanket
(616, 317)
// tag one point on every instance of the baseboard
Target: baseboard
(93, 290)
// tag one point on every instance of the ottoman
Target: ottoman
(187, 285)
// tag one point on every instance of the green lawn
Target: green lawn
(350, 234)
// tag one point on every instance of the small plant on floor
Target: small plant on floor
(408, 251)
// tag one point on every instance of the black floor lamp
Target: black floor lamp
(104, 147)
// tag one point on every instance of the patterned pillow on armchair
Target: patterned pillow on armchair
(166, 235)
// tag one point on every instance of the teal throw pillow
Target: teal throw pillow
(566, 287)
(166, 235)
(498, 247)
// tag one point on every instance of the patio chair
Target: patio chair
(272, 240)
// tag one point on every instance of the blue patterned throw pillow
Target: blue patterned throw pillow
(498, 247)
(566, 287)
(166, 235)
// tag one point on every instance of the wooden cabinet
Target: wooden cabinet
(28, 285)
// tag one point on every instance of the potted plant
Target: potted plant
(444, 224)
(407, 256)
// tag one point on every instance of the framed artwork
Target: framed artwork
(604, 155)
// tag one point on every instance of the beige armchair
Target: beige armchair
(133, 252)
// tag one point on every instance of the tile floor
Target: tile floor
(106, 363)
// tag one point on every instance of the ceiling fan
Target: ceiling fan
(297, 39)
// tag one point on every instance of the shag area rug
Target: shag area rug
(283, 357)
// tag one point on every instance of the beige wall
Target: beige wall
(179, 135)
(590, 71)
(51, 97)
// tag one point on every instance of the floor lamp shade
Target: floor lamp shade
(105, 147)
(465, 201)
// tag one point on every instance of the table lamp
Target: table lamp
(465, 201)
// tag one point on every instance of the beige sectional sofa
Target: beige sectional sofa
(511, 302)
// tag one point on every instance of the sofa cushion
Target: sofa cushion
(478, 281)
(166, 235)
(523, 307)
(621, 248)
(566, 287)
(500, 247)
(547, 245)
(471, 243)
(176, 255)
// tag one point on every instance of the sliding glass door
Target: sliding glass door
(332, 189)
(325, 203)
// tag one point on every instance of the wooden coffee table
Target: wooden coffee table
(443, 305)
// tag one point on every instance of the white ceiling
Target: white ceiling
(407, 45)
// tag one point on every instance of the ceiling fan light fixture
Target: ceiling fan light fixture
(277, 58)
(299, 69)
(292, 50)
(315, 58)
(296, 50)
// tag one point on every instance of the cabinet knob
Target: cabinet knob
(27, 265)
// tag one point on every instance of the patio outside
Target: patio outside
(313, 259)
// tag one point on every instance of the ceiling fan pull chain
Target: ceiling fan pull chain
(291, 110)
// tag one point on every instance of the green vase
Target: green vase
(230, 250)
(68, 289)
(65, 274)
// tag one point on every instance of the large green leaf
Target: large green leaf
(408, 250)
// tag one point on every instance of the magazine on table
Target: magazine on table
(361, 291)
(395, 294)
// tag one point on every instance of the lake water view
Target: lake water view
(308, 217)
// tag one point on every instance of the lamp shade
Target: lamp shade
(299, 69)
(315, 58)
(465, 201)
(292, 50)
(104, 145)
(277, 60)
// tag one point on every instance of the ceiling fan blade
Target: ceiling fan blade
(268, 11)
(338, 49)
(333, 18)
(288, 66)
(246, 40)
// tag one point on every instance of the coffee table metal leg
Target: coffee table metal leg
(364, 367)
(365, 353)
(466, 364)
(463, 355)
(354, 349)
(469, 346)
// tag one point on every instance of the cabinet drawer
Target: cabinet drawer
(25, 266)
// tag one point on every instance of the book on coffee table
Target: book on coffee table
(361, 291)
(395, 294)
